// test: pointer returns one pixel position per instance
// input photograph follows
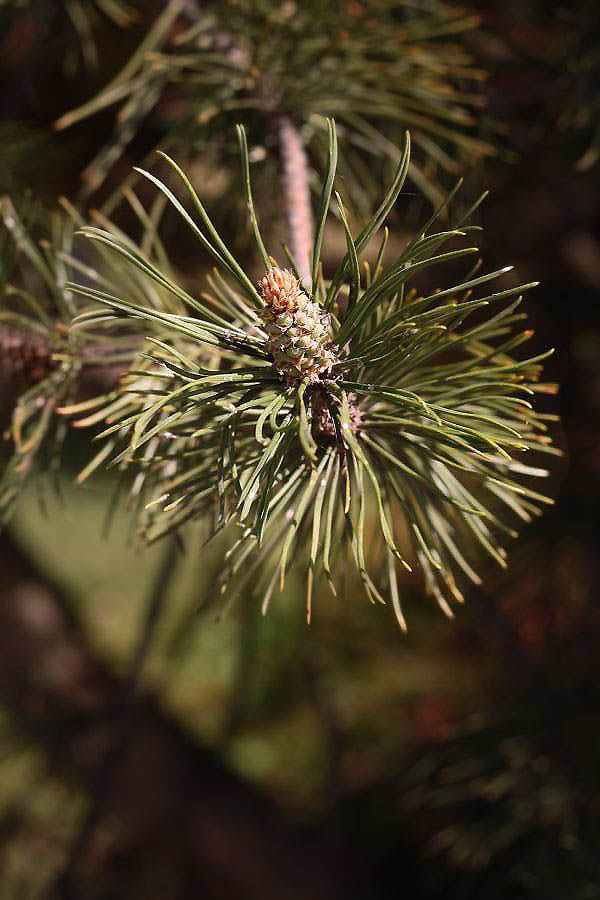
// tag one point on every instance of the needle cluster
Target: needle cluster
(378, 408)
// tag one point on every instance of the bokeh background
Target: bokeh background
(256, 758)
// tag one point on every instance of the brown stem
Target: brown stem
(296, 193)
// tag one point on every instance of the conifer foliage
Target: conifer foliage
(314, 414)
(332, 400)
(377, 67)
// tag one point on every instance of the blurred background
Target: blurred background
(152, 748)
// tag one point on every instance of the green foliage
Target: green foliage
(428, 409)
(378, 68)
(47, 363)
(35, 308)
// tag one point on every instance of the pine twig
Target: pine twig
(296, 193)
(363, 384)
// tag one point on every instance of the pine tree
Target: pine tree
(366, 415)
(307, 398)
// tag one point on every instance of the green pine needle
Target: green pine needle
(377, 69)
(407, 450)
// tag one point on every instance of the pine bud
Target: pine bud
(25, 356)
(299, 331)
(323, 424)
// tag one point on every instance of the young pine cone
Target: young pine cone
(323, 425)
(298, 330)
(25, 356)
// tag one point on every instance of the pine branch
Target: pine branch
(125, 721)
(296, 194)
(376, 73)
(322, 403)
(46, 363)
(65, 698)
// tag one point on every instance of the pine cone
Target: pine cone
(299, 331)
(322, 421)
(25, 356)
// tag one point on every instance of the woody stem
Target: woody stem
(296, 192)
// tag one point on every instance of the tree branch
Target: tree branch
(177, 807)
(296, 192)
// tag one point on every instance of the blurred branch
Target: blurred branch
(171, 798)
(123, 734)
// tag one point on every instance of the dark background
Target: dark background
(259, 760)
